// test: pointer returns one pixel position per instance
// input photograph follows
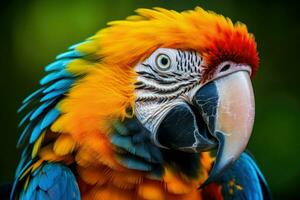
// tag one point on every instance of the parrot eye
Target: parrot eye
(163, 62)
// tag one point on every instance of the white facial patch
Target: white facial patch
(163, 82)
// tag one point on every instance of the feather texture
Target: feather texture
(51, 181)
(64, 145)
(244, 180)
(43, 103)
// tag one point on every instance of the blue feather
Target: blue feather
(28, 195)
(54, 170)
(54, 76)
(35, 133)
(69, 54)
(134, 163)
(21, 168)
(42, 195)
(156, 155)
(136, 149)
(143, 150)
(266, 193)
(139, 138)
(37, 171)
(24, 134)
(33, 95)
(58, 65)
(61, 84)
(31, 188)
(24, 105)
(120, 141)
(45, 182)
(49, 176)
(40, 109)
(25, 118)
(50, 117)
(53, 94)
(72, 190)
(62, 185)
(52, 181)
(23, 159)
(55, 192)
(244, 173)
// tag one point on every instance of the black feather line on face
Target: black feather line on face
(165, 91)
(149, 76)
(173, 83)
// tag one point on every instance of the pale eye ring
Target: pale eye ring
(163, 62)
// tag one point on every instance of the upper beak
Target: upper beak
(226, 109)
(233, 120)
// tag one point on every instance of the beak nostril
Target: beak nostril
(225, 68)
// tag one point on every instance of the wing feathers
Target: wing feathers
(50, 117)
(42, 111)
(53, 182)
(58, 65)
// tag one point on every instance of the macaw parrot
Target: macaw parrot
(158, 106)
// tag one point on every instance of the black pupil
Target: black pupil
(226, 67)
(164, 61)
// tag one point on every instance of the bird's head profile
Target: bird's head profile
(192, 85)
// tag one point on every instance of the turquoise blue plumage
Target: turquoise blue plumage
(52, 181)
(244, 180)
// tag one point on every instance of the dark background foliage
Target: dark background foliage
(34, 32)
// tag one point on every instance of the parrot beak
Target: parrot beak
(231, 120)
(219, 114)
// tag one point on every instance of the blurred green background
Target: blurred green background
(34, 32)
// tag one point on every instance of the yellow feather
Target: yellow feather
(151, 190)
(25, 172)
(129, 181)
(37, 144)
(84, 157)
(36, 165)
(93, 175)
(110, 192)
(64, 145)
(176, 184)
(79, 66)
(26, 182)
(47, 154)
(58, 125)
(135, 18)
(88, 48)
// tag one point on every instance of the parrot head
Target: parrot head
(186, 76)
(193, 92)
(186, 112)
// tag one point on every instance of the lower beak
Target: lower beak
(221, 115)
